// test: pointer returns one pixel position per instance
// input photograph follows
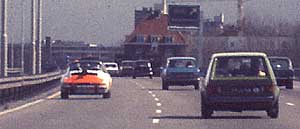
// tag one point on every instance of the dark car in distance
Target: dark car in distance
(142, 68)
(239, 81)
(127, 67)
(180, 71)
(284, 72)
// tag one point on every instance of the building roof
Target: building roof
(155, 26)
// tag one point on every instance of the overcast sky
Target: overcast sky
(108, 21)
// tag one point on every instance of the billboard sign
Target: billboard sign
(184, 16)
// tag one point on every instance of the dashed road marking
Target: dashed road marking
(153, 95)
(156, 99)
(150, 92)
(155, 121)
(290, 104)
(158, 111)
(158, 104)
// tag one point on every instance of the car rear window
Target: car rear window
(227, 67)
(110, 65)
(182, 63)
(85, 65)
(279, 63)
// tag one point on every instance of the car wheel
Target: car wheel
(205, 112)
(273, 112)
(289, 85)
(196, 86)
(150, 77)
(107, 95)
(133, 77)
(64, 95)
(165, 85)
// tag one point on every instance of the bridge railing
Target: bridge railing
(14, 88)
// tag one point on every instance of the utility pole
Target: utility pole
(23, 39)
(39, 38)
(241, 20)
(33, 36)
(4, 45)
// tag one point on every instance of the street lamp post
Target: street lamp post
(4, 45)
(33, 37)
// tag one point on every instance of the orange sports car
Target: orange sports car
(86, 77)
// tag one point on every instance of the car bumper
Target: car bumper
(84, 90)
(187, 81)
(240, 103)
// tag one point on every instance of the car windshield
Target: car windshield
(227, 67)
(182, 63)
(280, 63)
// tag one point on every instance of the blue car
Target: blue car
(180, 71)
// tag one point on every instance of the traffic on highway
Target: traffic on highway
(161, 64)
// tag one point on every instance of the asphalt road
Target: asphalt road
(141, 104)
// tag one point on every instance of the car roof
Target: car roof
(178, 58)
(278, 57)
(228, 54)
(110, 63)
(127, 61)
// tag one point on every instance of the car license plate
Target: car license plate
(85, 86)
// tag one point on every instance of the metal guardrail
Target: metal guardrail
(14, 88)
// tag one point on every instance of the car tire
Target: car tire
(64, 95)
(289, 85)
(107, 95)
(165, 85)
(150, 77)
(196, 85)
(205, 112)
(133, 77)
(273, 112)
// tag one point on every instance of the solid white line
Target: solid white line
(158, 104)
(54, 95)
(158, 111)
(21, 107)
(155, 121)
(290, 104)
(153, 95)
(28, 104)
(156, 99)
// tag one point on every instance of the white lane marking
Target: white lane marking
(156, 99)
(158, 111)
(143, 87)
(158, 104)
(290, 104)
(153, 95)
(21, 107)
(28, 104)
(150, 92)
(155, 121)
(54, 95)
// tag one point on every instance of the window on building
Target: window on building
(168, 39)
(140, 38)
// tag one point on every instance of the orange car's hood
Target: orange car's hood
(83, 79)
